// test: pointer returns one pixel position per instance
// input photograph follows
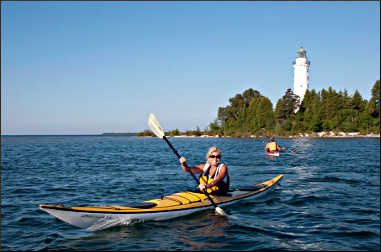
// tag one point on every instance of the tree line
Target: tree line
(176, 132)
(252, 114)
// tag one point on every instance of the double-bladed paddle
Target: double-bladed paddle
(156, 129)
(293, 151)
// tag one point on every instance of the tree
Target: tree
(374, 102)
(313, 115)
(175, 132)
(236, 118)
(374, 108)
(259, 115)
(330, 101)
(285, 109)
(215, 128)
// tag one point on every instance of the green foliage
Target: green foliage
(145, 133)
(373, 108)
(286, 107)
(250, 113)
(175, 132)
(196, 132)
(374, 102)
(215, 128)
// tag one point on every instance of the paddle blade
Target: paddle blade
(155, 126)
(294, 151)
(220, 211)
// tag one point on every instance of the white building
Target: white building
(301, 69)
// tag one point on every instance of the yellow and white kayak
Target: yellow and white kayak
(164, 208)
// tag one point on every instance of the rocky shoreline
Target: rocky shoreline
(330, 134)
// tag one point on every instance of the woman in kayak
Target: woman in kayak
(214, 175)
(272, 146)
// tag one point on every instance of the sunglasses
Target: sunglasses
(213, 156)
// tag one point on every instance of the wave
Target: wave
(108, 223)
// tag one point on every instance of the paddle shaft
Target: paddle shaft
(190, 171)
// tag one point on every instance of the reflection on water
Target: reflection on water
(195, 231)
(271, 157)
(201, 245)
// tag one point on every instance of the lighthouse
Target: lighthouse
(301, 68)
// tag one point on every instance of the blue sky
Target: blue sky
(94, 67)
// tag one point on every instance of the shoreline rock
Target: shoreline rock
(330, 134)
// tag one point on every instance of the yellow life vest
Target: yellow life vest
(221, 188)
(204, 180)
(272, 146)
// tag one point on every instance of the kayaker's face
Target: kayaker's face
(214, 158)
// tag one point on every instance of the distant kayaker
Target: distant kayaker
(214, 175)
(272, 146)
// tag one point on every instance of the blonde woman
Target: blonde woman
(214, 175)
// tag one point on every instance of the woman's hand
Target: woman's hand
(202, 187)
(182, 160)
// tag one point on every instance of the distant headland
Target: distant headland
(118, 134)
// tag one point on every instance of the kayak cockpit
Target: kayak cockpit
(247, 188)
(143, 205)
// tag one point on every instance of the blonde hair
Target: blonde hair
(211, 150)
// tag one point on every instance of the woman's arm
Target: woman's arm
(194, 169)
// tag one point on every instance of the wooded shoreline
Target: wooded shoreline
(306, 135)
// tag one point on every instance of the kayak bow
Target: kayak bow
(164, 208)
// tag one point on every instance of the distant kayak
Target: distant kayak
(164, 208)
(275, 154)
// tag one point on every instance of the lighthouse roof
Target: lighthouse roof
(301, 53)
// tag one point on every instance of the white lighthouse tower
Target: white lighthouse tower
(301, 68)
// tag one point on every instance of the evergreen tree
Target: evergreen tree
(374, 108)
(374, 102)
(357, 109)
(300, 118)
(285, 110)
(330, 105)
(314, 114)
(215, 128)
(262, 116)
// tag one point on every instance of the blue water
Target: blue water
(329, 198)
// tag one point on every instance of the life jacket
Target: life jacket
(272, 146)
(222, 187)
